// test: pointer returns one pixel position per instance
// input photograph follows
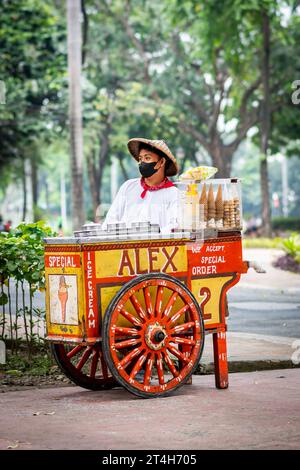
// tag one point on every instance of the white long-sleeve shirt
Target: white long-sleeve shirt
(157, 207)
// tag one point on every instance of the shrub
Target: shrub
(21, 262)
(292, 246)
(286, 223)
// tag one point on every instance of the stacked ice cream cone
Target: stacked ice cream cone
(211, 215)
(229, 212)
(219, 208)
(203, 206)
(237, 214)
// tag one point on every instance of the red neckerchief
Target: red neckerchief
(166, 183)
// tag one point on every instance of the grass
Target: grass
(41, 364)
(263, 242)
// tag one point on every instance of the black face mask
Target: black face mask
(147, 169)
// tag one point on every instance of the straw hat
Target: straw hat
(134, 149)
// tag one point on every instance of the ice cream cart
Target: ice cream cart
(131, 306)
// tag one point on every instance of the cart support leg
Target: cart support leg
(220, 359)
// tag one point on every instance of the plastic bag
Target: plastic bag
(198, 173)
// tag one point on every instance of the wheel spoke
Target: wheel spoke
(171, 302)
(104, 368)
(139, 309)
(127, 343)
(177, 353)
(148, 370)
(159, 298)
(178, 340)
(127, 331)
(127, 359)
(171, 364)
(160, 370)
(182, 328)
(74, 351)
(185, 349)
(138, 365)
(84, 369)
(130, 317)
(152, 334)
(148, 302)
(84, 358)
(94, 364)
(177, 315)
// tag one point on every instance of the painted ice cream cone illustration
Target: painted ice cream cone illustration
(63, 296)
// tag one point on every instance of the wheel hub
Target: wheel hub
(155, 336)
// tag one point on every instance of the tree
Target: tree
(32, 67)
(174, 59)
(75, 118)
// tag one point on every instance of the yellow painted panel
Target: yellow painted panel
(108, 293)
(128, 262)
(210, 296)
(54, 326)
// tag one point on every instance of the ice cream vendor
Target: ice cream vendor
(153, 197)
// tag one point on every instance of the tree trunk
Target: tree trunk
(34, 189)
(103, 154)
(95, 189)
(221, 159)
(24, 211)
(265, 128)
(123, 169)
(96, 166)
(75, 115)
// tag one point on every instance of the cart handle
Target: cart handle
(257, 267)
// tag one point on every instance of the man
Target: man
(153, 197)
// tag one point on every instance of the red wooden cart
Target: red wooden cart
(135, 310)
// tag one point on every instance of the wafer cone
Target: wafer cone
(203, 197)
(237, 214)
(226, 213)
(203, 201)
(211, 216)
(219, 203)
(211, 203)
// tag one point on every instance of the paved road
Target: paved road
(264, 311)
(260, 410)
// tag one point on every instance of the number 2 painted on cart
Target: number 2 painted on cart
(205, 291)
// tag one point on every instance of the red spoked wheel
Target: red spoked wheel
(84, 365)
(153, 335)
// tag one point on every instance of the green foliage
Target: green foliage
(32, 67)
(286, 223)
(21, 263)
(292, 246)
(262, 242)
(40, 364)
(22, 254)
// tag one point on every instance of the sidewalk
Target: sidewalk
(259, 410)
(245, 348)
(248, 351)
(274, 278)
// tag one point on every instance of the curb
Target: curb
(287, 290)
(247, 366)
